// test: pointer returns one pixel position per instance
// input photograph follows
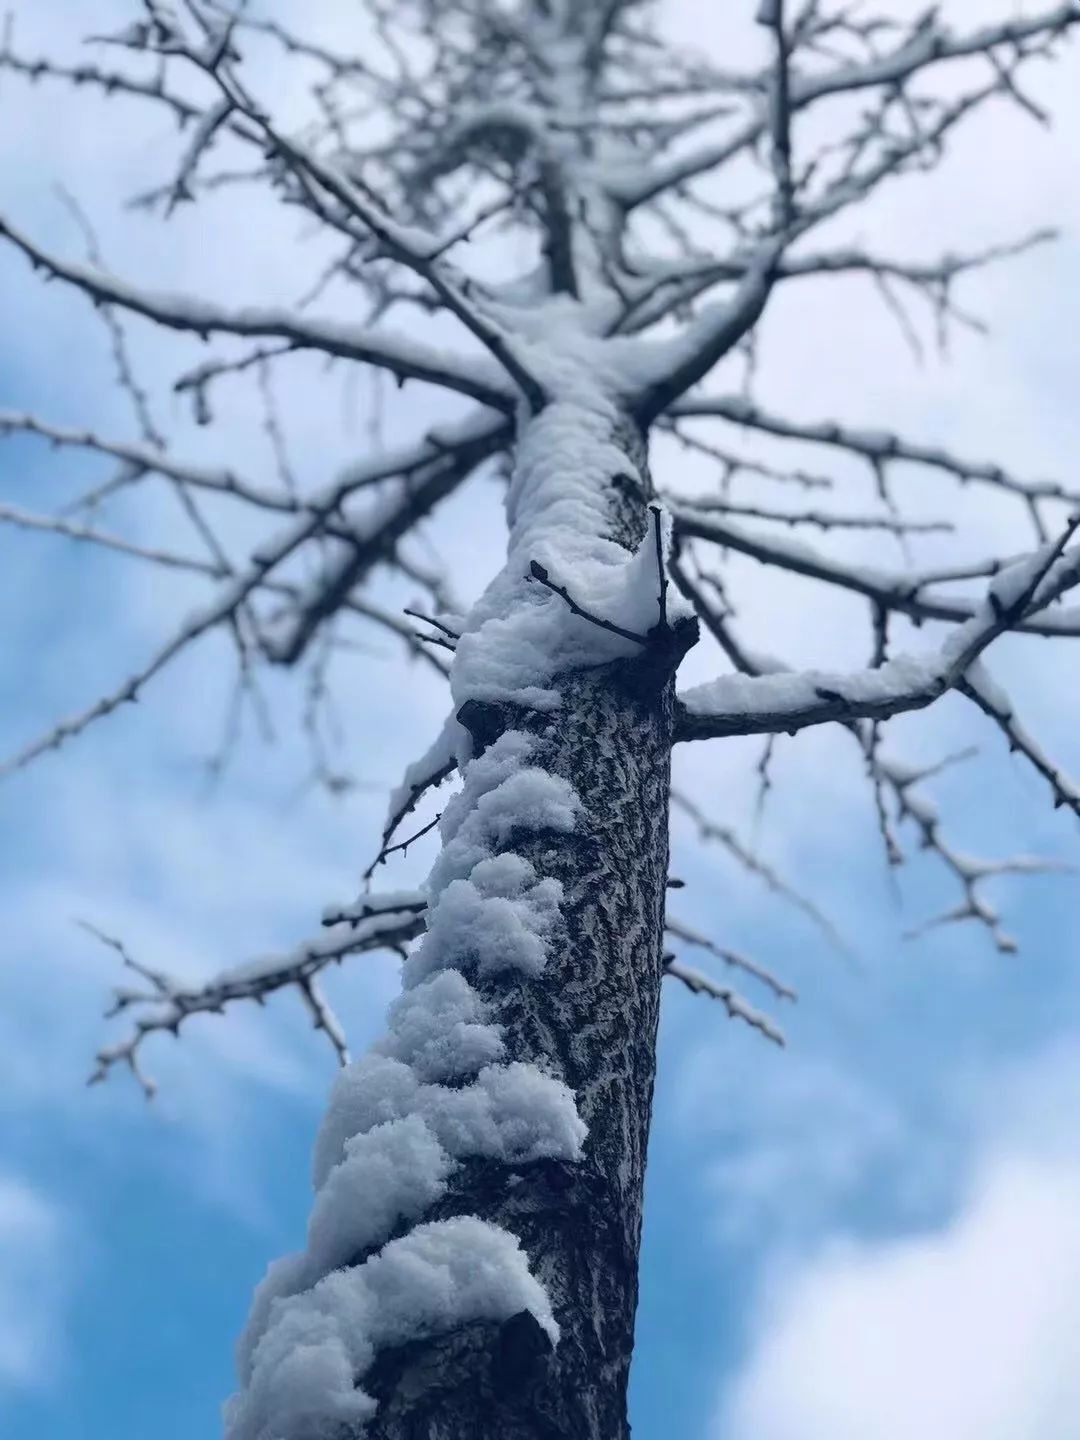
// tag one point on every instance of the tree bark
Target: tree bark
(591, 1019)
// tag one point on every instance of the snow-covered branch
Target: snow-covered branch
(403, 357)
(908, 592)
(878, 448)
(161, 1003)
(765, 704)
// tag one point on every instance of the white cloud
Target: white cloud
(967, 1332)
(35, 1251)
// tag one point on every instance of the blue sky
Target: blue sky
(868, 1233)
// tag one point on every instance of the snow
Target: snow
(511, 1112)
(490, 932)
(520, 636)
(318, 1344)
(440, 757)
(395, 1132)
(797, 695)
(388, 1174)
(366, 1093)
(1011, 585)
(283, 1277)
(488, 909)
(385, 1153)
(438, 1027)
(528, 799)
(733, 1002)
(449, 1271)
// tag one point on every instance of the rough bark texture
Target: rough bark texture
(592, 1019)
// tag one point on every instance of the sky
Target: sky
(870, 1232)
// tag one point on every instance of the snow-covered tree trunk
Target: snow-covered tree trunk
(591, 1019)
(514, 1091)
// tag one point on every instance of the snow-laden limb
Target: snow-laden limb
(686, 506)
(698, 983)
(109, 81)
(437, 763)
(163, 1003)
(764, 704)
(417, 250)
(423, 482)
(676, 285)
(903, 783)
(402, 356)
(118, 341)
(671, 367)
(975, 905)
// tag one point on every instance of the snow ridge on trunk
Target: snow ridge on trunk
(471, 1265)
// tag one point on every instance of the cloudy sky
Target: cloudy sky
(869, 1233)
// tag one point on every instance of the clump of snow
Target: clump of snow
(489, 909)
(320, 1343)
(388, 1174)
(304, 1366)
(452, 1270)
(490, 932)
(439, 1027)
(366, 1093)
(283, 1277)
(528, 800)
(1009, 587)
(486, 772)
(511, 1112)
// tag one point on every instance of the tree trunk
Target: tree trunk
(591, 1019)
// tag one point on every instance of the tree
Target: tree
(472, 1257)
